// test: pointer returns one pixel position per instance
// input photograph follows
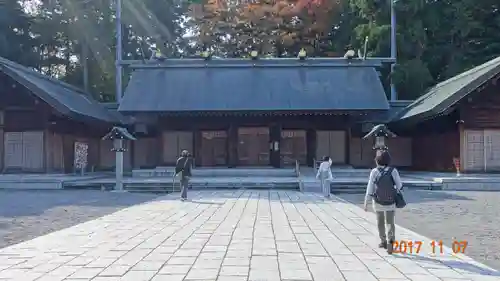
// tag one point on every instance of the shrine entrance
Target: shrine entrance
(253, 146)
(214, 148)
(293, 147)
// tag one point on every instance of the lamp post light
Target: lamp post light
(381, 133)
(207, 55)
(254, 55)
(302, 54)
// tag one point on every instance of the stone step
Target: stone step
(167, 187)
(227, 172)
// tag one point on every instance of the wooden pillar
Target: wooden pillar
(131, 148)
(68, 153)
(159, 144)
(232, 145)
(311, 142)
(275, 145)
(197, 146)
(348, 146)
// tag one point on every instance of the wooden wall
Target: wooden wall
(481, 110)
(435, 151)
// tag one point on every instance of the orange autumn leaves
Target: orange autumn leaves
(198, 8)
(262, 23)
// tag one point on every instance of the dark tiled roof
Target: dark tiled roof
(254, 87)
(66, 99)
(446, 94)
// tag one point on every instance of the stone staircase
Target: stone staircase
(160, 180)
(353, 181)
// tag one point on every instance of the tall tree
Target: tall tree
(16, 42)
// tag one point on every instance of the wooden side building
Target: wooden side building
(42, 118)
(458, 118)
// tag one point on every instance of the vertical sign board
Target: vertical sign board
(81, 155)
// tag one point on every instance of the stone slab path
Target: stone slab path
(232, 236)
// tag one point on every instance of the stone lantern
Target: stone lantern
(118, 135)
(381, 133)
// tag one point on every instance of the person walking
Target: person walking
(383, 185)
(325, 175)
(183, 169)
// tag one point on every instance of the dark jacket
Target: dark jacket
(184, 165)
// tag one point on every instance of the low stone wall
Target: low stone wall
(470, 183)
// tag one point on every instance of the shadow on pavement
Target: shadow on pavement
(455, 264)
(19, 203)
(413, 196)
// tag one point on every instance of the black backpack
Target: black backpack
(385, 193)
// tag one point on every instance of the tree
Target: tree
(281, 28)
(16, 43)
(436, 39)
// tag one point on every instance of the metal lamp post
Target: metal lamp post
(119, 52)
(394, 95)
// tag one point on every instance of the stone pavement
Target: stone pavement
(232, 236)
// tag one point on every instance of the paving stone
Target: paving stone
(86, 273)
(234, 271)
(202, 274)
(115, 270)
(138, 275)
(262, 235)
(161, 277)
(175, 269)
(148, 265)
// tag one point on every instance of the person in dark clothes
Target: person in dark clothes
(183, 169)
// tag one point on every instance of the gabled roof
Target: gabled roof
(446, 94)
(66, 99)
(212, 86)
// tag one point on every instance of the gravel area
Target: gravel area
(26, 214)
(471, 216)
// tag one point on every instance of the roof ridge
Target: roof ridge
(44, 76)
(431, 91)
(471, 70)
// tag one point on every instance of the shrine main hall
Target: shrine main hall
(265, 112)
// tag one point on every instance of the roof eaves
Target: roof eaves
(452, 99)
(61, 108)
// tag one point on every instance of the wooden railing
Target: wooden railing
(297, 168)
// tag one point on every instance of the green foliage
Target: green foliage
(67, 38)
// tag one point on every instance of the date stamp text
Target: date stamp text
(436, 247)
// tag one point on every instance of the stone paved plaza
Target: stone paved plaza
(233, 236)
(446, 215)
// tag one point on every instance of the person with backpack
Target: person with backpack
(383, 186)
(183, 169)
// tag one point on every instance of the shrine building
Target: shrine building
(244, 112)
(266, 112)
